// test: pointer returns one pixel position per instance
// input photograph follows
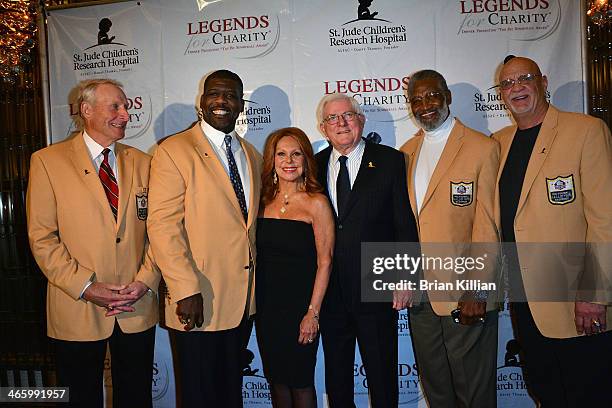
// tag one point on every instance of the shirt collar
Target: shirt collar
(95, 149)
(441, 132)
(217, 137)
(356, 152)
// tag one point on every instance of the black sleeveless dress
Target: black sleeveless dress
(286, 269)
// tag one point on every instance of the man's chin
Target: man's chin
(223, 127)
(427, 126)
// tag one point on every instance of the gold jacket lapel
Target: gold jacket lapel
(125, 167)
(411, 168)
(455, 140)
(255, 185)
(540, 151)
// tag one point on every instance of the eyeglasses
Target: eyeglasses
(431, 96)
(521, 80)
(347, 116)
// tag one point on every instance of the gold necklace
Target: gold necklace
(283, 209)
(285, 203)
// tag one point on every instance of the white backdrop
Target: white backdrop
(289, 54)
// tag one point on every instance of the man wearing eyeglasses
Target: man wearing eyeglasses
(365, 183)
(451, 179)
(555, 187)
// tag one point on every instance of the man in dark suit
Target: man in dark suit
(365, 183)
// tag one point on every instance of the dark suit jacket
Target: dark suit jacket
(378, 210)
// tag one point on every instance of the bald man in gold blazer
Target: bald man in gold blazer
(205, 187)
(102, 282)
(451, 182)
(554, 201)
(582, 153)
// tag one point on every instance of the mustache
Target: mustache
(439, 110)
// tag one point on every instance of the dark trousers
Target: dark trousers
(80, 366)
(564, 373)
(210, 366)
(376, 335)
(457, 363)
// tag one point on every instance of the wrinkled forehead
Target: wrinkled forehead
(518, 66)
(427, 85)
(337, 106)
(107, 92)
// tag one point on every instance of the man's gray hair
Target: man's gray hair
(426, 74)
(86, 92)
(336, 97)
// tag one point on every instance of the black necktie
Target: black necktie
(343, 185)
(235, 176)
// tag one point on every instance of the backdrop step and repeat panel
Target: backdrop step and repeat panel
(289, 54)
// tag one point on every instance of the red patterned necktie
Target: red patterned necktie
(109, 182)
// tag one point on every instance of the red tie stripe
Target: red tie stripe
(109, 182)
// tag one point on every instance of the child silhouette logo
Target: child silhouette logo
(105, 25)
(103, 34)
(512, 357)
(363, 11)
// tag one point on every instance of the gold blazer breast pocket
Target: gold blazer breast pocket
(142, 203)
(462, 193)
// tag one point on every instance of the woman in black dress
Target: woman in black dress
(295, 238)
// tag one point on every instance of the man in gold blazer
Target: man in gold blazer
(451, 180)
(101, 282)
(205, 186)
(555, 203)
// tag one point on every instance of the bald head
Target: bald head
(525, 91)
(523, 62)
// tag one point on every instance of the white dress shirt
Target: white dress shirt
(96, 156)
(352, 163)
(217, 141)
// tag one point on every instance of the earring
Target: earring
(304, 179)
(274, 178)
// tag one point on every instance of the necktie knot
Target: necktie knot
(105, 153)
(228, 143)
(342, 160)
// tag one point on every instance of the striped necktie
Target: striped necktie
(109, 182)
(235, 176)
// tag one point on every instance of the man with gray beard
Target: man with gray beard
(451, 182)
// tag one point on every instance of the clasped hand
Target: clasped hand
(114, 298)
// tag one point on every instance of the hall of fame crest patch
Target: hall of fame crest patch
(142, 205)
(561, 190)
(462, 193)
